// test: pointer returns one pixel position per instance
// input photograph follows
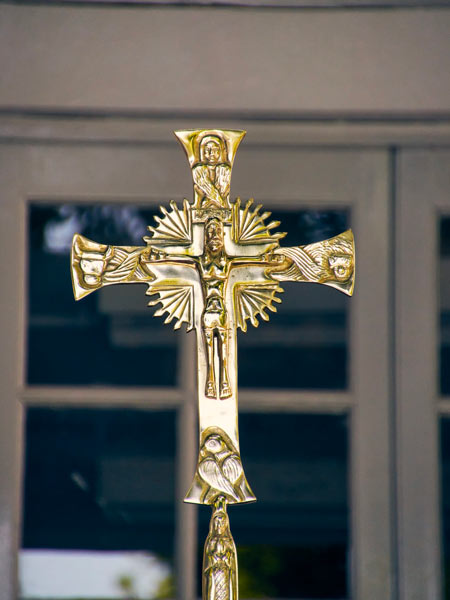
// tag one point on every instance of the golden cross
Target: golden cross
(214, 265)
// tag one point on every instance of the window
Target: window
(81, 360)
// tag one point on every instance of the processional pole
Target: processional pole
(213, 265)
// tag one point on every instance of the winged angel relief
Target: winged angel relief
(214, 265)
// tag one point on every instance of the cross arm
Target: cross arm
(331, 262)
(95, 265)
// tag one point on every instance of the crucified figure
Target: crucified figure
(214, 267)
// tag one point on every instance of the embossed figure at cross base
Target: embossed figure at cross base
(213, 265)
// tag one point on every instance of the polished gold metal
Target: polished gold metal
(220, 570)
(214, 265)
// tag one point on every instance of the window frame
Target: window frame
(422, 199)
(368, 400)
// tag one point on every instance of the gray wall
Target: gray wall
(88, 93)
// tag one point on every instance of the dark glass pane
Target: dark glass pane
(108, 338)
(445, 487)
(293, 542)
(305, 344)
(100, 480)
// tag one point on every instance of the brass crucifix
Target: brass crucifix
(214, 264)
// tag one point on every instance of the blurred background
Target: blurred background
(344, 402)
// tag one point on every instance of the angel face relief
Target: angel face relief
(210, 150)
(342, 266)
(214, 265)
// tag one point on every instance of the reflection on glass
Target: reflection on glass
(110, 338)
(293, 543)
(103, 481)
(444, 287)
(305, 343)
(55, 575)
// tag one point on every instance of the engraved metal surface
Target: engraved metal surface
(215, 266)
(220, 572)
(219, 471)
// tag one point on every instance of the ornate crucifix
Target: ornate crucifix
(213, 265)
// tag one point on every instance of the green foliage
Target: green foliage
(258, 566)
(166, 589)
(126, 585)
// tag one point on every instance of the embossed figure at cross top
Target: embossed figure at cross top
(213, 265)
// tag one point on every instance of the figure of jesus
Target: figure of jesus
(214, 267)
